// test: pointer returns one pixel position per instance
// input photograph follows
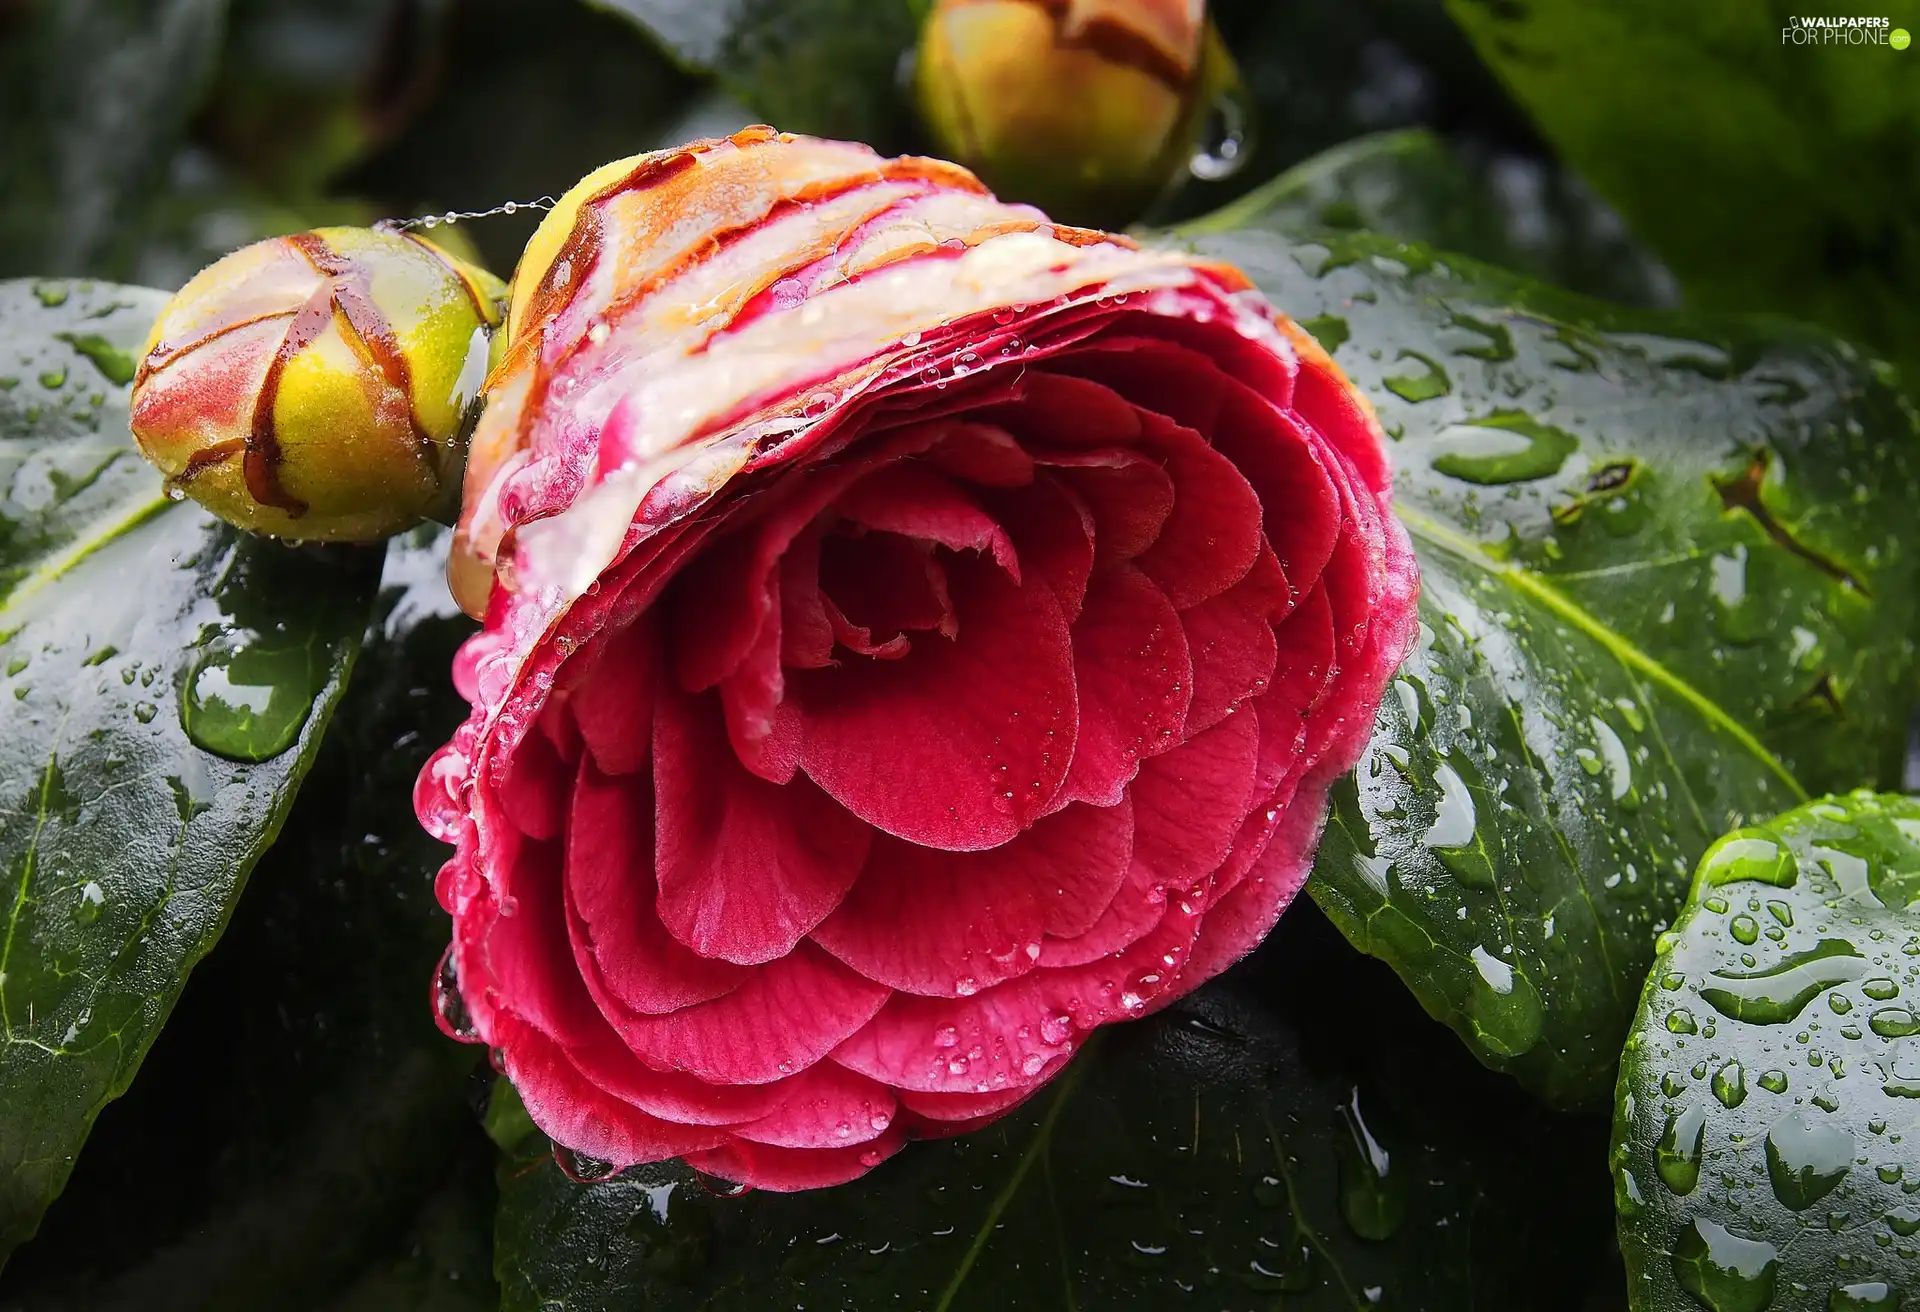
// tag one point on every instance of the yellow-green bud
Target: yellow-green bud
(1086, 108)
(319, 385)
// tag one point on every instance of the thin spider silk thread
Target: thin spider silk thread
(457, 216)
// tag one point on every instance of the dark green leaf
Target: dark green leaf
(1417, 186)
(95, 95)
(1765, 1144)
(301, 1109)
(127, 620)
(828, 67)
(1770, 175)
(444, 1260)
(1251, 1148)
(1670, 582)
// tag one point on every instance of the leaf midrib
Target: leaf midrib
(1042, 1139)
(102, 533)
(1541, 589)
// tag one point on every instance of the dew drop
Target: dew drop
(1505, 447)
(582, 1169)
(1372, 1196)
(449, 1007)
(1429, 383)
(1753, 853)
(1893, 1023)
(1807, 1158)
(1780, 992)
(247, 695)
(1723, 1271)
(1677, 1155)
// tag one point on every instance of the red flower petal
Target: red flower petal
(1013, 1036)
(949, 924)
(1231, 639)
(1154, 374)
(1212, 536)
(1052, 529)
(806, 634)
(1055, 410)
(788, 1015)
(1130, 495)
(1135, 680)
(524, 962)
(1003, 1040)
(825, 1106)
(1188, 802)
(533, 792)
(1136, 906)
(720, 602)
(613, 702)
(1300, 504)
(618, 940)
(917, 501)
(982, 454)
(746, 867)
(1327, 401)
(573, 1109)
(949, 1107)
(881, 585)
(789, 1170)
(962, 743)
(1236, 923)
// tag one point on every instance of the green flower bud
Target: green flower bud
(319, 385)
(1087, 108)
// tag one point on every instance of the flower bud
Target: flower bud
(319, 385)
(1086, 108)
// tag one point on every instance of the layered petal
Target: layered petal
(916, 635)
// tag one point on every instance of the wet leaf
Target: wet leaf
(1767, 1127)
(1762, 168)
(1415, 185)
(301, 1106)
(164, 683)
(826, 67)
(1670, 584)
(1249, 1148)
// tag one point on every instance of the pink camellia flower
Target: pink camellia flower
(917, 634)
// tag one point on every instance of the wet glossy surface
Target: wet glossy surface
(1667, 588)
(1804, 1180)
(124, 840)
(1255, 1147)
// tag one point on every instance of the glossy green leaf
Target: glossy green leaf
(828, 67)
(1251, 1148)
(1767, 1130)
(1415, 185)
(1669, 583)
(164, 683)
(301, 1107)
(1772, 175)
(95, 96)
